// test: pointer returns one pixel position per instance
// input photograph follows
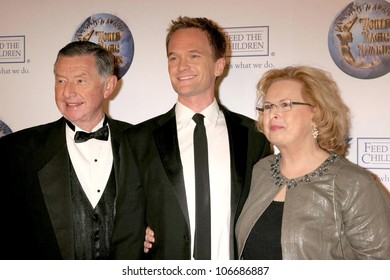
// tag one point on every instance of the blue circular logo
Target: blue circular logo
(359, 39)
(4, 129)
(111, 33)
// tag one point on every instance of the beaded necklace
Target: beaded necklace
(280, 180)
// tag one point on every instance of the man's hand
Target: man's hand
(149, 239)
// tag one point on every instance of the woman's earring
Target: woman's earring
(315, 132)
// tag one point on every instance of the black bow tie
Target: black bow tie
(100, 134)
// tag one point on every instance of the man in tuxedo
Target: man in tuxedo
(60, 181)
(163, 149)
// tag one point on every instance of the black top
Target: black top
(263, 242)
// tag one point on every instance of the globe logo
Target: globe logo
(359, 39)
(111, 33)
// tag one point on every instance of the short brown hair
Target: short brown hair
(214, 32)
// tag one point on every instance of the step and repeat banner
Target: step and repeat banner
(350, 39)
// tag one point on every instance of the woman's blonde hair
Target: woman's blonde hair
(331, 116)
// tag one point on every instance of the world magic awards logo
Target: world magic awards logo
(359, 39)
(111, 33)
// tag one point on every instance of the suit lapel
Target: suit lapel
(116, 134)
(165, 136)
(238, 142)
(55, 185)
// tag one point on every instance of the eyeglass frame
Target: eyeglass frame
(273, 105)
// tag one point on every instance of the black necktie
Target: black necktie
(100, 134)
(202, 243)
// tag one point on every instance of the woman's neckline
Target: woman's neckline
(281, 180)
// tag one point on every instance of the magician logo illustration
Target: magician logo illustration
(111, 33)
(359, 39)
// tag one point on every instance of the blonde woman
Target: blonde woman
(308, 201)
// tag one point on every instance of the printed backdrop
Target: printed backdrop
(350, 39)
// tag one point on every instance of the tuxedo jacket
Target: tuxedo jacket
(153, 146)
(36, 207)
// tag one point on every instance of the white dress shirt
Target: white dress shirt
(219, 170)
(92, 161)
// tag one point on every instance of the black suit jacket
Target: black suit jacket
(36, 208)
(153, 146)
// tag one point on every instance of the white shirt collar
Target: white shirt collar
(72, 132)
(184, 114)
